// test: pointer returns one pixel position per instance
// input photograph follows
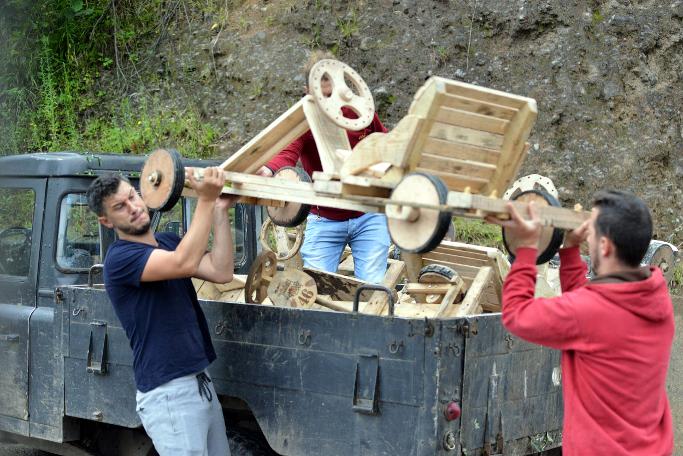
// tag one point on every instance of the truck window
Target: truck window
(172, 221)
(237, 217)
(16, 227)
(78, 240)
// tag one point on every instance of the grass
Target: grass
(478, 232)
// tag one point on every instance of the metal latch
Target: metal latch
(97, 348)
(366, 385)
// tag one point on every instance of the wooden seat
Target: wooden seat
(472, 137)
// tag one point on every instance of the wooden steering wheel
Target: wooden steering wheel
(359, 100)
(284, 248)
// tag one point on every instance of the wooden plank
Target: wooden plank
(457, 182)
(426, 288)
(455, 166)
(271, 140)
(512, 148)
(478, 107)
(464, 135)
(456, 259)
(364, 181)
(460, 151)
(394, 147)
(449, 299)
(473, 297)
(379, 301)
(463, 252)
(339, 287)
(329, 137)
(472, 120)
(413, 263)
(425, 105)
(485, 94)
(416, 311)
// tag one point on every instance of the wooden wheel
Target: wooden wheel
(531, 182)
(284, 250)
(162, 179)
(292, 288)
(291, 214)
(359, 100)
(435, 273)
(662, 255)
(260, 275)
(551, 238)
(418, 230)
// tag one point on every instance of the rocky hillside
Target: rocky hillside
(607, 75)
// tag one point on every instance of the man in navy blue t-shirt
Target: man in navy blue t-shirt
(147, 277)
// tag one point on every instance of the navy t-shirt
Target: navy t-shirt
(163, 321)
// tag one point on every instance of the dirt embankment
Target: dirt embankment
(607, 76)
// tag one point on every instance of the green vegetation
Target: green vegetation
(60, 58)
(348, 27)
(676, 285)
(597, 17)
(472, 231)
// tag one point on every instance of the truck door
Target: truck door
(21, 213)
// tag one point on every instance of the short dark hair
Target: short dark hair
(101, 188)
(625, 220)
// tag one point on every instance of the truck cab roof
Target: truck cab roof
(77, 164)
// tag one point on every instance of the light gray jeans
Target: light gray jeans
(181, 420)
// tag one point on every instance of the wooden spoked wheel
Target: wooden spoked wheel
(359, 99)
(425, 229)
(260, 275)
(531, 182)
(551, 238)
(291, 214)
(662, 255)
(292, 288)
(284, 248)
(162, 179)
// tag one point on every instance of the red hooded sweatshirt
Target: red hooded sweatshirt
(304, 148)
(615, 339)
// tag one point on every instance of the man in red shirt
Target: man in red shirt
(328, 230)
(615, 331)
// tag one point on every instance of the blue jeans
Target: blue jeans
(368, 237)
(181, 421)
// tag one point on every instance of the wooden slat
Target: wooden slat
(460, 151)
(513, 148)
(450, 250)
(479, 107)
(473, 297)
(456, 181)
(329, 137)
(454, 166)
(484, 93)
(379, 301)
(455, 259)
(270, 141)
(464, 135)
(466, 119)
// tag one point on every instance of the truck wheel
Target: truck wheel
(246, 443)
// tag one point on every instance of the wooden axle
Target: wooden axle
(267, 190)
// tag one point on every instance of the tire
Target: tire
(248, 443)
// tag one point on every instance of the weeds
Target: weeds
(472, 231)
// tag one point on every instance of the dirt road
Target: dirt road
(12, 450)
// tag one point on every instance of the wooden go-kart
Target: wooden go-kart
(454, 153)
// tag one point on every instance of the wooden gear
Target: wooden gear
(284, 249)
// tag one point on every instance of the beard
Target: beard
(132, 230)
(595, 262)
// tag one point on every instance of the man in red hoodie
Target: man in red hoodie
(328, 230)
(615, 331)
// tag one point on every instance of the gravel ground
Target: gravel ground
(13, 450)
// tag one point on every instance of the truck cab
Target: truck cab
(50, 239)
